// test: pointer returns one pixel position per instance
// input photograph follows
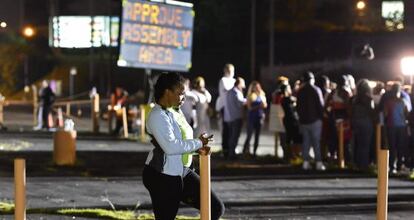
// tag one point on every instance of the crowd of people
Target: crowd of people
(358, 107)
(306, 114)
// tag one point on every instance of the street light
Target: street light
(361, 5)
(3, 24)
(407, 67)
(28, 31)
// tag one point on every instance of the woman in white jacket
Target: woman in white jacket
(165, 176)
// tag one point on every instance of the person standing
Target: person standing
(256, 104)
(226, 84)
(202, 101)
(233, 115)
(165, 176)
(310, 109)
(118, 101)
(46, 98)
(362, 121)
(337, 109)
(291, 122)
(396, 112)
(276, 115)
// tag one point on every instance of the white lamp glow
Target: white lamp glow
(360, 5)
(407, 67)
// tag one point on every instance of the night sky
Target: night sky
(305, 32)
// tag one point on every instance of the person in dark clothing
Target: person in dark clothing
(310, 110)
(290, 121)
(323, 83)
(118, 101)
(46, 98)
(256, 104)
(395, 112)
(362, 120)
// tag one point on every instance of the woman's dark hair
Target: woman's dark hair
(396, 89)
(166, 81)
(363, 88)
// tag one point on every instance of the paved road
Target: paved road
(245, 198)
(109, 169)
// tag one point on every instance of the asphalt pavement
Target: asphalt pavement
(108, 172)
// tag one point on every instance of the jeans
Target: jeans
(311, 137)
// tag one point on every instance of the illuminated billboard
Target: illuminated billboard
(83, 31)
(393, 14)
(156, 36)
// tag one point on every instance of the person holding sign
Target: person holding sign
(165, 175)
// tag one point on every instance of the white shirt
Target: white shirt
(165, 129)
(225, 85)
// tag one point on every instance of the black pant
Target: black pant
(234, 134)
(167, 191)
(45, 115)
(225, 138)
(253, 125)
(397, 139)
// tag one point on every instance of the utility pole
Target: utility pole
(271, 35)
(91, 49)
(253, 41)
(21, 17)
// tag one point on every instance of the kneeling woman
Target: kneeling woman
(165, 176)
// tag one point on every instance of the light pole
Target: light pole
(407, 67)
(72, 73)
(28, 32)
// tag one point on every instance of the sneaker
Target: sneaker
(37, 128)
(320, 166)
(306, 165)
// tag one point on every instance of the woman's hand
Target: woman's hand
(205, 139)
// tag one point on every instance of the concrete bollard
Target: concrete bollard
(205, 187)
(95, 113)
(68, 109)
(341, 160)
(382, 182)
(19, 189)
(59, 118)
(64, 147)
(125, 122)
(35, 105)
